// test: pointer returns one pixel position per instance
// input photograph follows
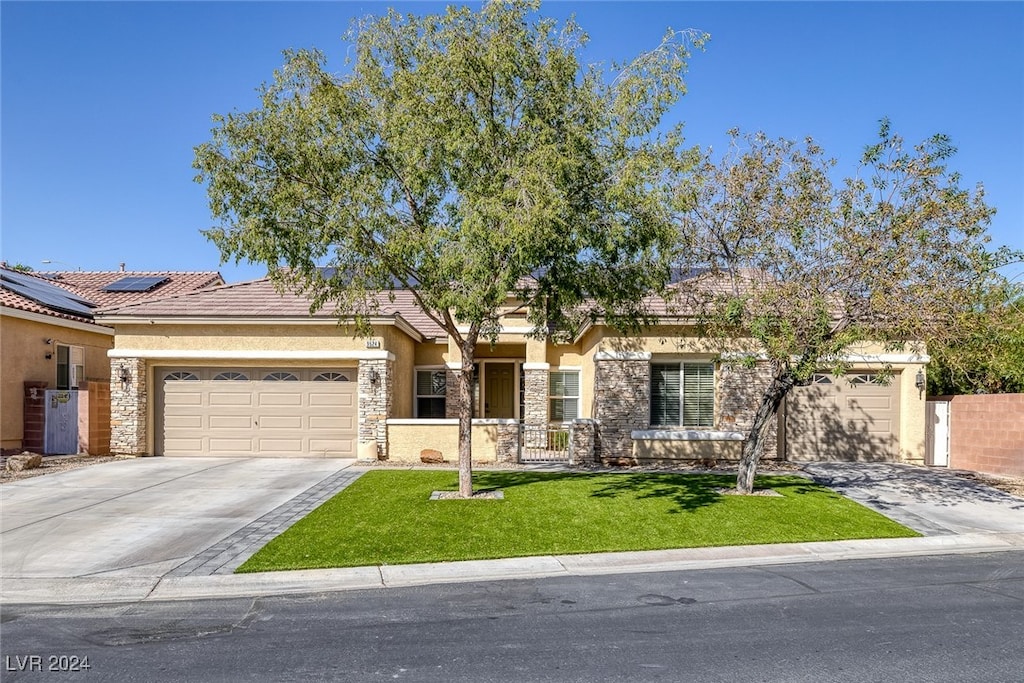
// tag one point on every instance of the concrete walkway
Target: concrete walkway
(165, 529)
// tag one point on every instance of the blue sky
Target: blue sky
(102, 103)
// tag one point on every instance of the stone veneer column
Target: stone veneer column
(535, 388)
(128, 405)
(622, 397)
(376, 389)
(584, 431)
(451, 381)
(738, 394)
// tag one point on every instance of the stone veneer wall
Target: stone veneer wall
(375, 399)
(507, 448)
(584, 435)
(451, 399)
(622, 397)
(535, 398)
(738, 394)
(128, 407)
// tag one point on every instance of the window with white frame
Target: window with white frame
(683, 394)
(431, 390)
(70, 366)
(563, 395)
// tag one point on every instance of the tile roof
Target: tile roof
(89, 286)
(260, 299)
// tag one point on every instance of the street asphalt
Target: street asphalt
(153, 529)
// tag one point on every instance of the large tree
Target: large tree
(986, 353)
(464, 157)
(796, 267)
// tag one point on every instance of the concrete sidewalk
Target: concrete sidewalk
(954, 516)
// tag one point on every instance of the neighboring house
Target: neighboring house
(242, 369)
(49, 335)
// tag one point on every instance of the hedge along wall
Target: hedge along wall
(987, 433)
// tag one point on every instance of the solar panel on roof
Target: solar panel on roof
(44, 293)
(136, 284)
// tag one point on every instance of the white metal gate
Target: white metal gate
(937, 433)
(545, 443)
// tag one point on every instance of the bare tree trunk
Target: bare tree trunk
(465, 384)
(766, 414)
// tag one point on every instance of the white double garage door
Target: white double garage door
(278, 412)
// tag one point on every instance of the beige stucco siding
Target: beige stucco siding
(407, 441)
(23, 351)
(170, 337)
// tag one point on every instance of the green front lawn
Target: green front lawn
(386, 517)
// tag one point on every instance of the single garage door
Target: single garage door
(851, 418)
(298, 412)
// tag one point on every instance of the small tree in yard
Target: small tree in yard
(464, 157)
(797, 269)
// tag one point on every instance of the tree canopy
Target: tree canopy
(462, 156)
(805, 266)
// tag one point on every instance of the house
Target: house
(50, 339)
(242, 369)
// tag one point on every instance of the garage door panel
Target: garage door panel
(257, 417)
(292, 398)
(230, 398)
(183, 421)
(269, 446)
(343, 398)
(870, 403)
(231, 422)
(330, 423)
(183, 398)
(184, 445)
(335, 447)
(292, 422)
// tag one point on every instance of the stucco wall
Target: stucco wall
(407, 440)
(987, 433)
(650, 451)
(23, 352)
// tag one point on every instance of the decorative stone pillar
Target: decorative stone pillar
(376, 390)
(738, 394)
(584, 433)
(128, 406)
(622, 399)
(536, 385)
(451, 381)
(507, 446)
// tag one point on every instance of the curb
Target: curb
(92, 590)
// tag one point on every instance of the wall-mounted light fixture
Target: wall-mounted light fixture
(919, 380)
(374, 377)
(125, 377)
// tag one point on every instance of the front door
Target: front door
(499, 390)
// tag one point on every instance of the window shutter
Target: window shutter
(665, 394)
(698, 395)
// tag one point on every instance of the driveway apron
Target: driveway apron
(932, 501)
(147, 516)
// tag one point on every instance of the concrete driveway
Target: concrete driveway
(930, 500)
(142, 517)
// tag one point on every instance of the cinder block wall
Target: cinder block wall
(987, 433)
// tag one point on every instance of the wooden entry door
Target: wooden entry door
(500, 390)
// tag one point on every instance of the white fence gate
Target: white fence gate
(937, 433)
(61, 422)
